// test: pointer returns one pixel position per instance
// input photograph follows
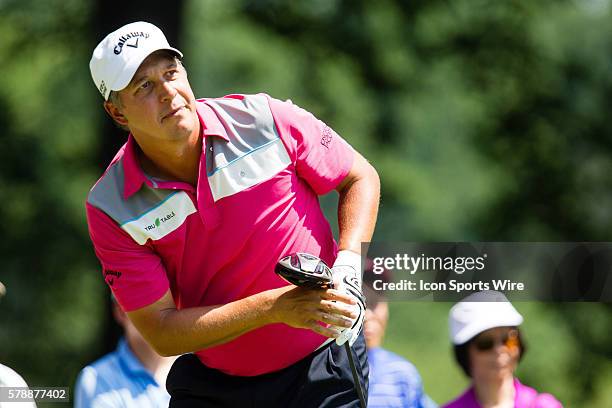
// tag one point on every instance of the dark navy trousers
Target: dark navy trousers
(322, 379)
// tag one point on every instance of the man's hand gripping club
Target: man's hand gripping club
(310, 272)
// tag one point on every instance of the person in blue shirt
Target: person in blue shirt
(133, 375)
(10, 377)
(394, 381)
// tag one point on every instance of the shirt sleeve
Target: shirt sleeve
(320, 155)
(84, 388)
(547, 401)
(91, 391)
(134, 272)
(413, 386)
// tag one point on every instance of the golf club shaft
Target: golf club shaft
(358, 388)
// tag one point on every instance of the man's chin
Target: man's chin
(182, 126)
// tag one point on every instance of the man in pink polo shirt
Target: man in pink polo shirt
(194, 212)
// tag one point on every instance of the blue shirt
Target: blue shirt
(119, 380)
(394, 382)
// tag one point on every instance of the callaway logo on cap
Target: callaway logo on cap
(116, 59)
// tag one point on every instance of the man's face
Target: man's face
(158, 105)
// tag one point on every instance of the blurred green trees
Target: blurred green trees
(486, 120)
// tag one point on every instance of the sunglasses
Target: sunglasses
(509, 339)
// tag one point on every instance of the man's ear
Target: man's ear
(115, 113)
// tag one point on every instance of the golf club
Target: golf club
(310, 272)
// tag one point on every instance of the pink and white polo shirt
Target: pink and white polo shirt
(264, 162)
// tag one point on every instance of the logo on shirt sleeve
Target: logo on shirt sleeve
(110, 276)
(326, 137)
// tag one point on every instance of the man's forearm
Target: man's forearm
(172, 332)
(357, 212)
(358, 205)
(176, 332)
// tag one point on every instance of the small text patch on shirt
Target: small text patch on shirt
(161, 220)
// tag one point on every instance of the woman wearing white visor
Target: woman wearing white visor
(488, 346)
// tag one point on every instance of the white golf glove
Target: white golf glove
(347, 279)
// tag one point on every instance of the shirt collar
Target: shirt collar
(523, 395)
(129, 360)
(211, 124)
(133, 174)
(469, 399)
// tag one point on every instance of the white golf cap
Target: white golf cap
(116, 59)
(481, 311)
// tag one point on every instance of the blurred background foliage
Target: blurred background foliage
(487, 120)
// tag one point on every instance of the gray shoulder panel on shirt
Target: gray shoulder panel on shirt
(107, 195)
(249, 125)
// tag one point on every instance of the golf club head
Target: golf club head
(305, 270)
